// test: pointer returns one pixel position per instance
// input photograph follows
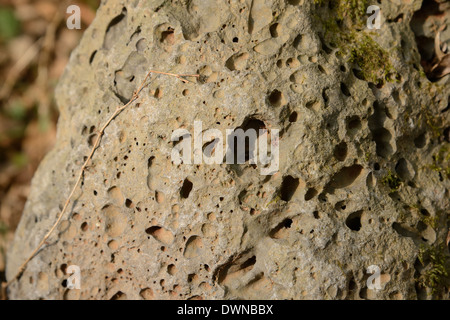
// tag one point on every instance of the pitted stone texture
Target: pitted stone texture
(141, 227)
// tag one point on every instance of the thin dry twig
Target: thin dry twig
(100, 133)
(179, 76)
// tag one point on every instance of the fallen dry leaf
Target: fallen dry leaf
(448, 237)
(442, 67)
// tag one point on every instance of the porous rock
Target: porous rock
(355, 186)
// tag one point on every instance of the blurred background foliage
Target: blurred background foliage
(35, 46)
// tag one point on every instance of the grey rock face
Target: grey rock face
(355, 187)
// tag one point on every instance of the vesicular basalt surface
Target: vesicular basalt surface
(363, 176)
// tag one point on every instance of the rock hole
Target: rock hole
(326, 48)
(340, 206)
(352, 285)
(186, 188)
(280, 231)
(353, 221)
(115, 29)
(141, 45)
(91, 140)
(91, 59)
(160, 234)
(171, 269)
(311, 193)
(250, 127)
(382, 138)
(168, 36)
(150, 161)
(325, 95)
(353, 125)
(293, 117)
(194, 247)
(420, 141)
(249, 263)
(119, 296)
(323, 197)
(404, 170)
(421, 291)
(404, 230)
(288, 187)
(345, 89)
(292, 63)
(321, 69)
(235, 268)
(129, 203)
(276, 98)
(147, 294)
(346, 176)
(340, 151)
(370, 180)
(115, 194)
(237, 61)
(275, 30)
(314, 105)
(298, 41)
(358, 74)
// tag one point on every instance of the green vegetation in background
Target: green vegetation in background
(19, 159)
(9, 25)
(16, 110)
(93, 4)
(3, 228)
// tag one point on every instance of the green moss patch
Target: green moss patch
(392, 181)
(344, 28)
(434, 259)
